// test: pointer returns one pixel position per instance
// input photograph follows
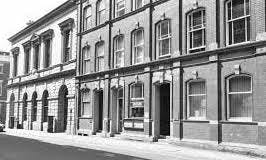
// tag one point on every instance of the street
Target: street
(37, 145)
(16, 148)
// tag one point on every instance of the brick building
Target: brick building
(41, 88)
(4, 74)
(184, 69)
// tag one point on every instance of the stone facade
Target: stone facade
(43, 98)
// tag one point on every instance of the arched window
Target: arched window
(45, 106)
(239, 96)
(86, 55)
(163, 40)
(100, 11)
(99, 56)
(25, 107)
(34, 107)
(196, 31)
(138, 46)
(87, 18)
(237, 21)
(119, 51)
(196, 99)
(136, 100)
(86, 108)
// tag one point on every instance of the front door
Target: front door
(120, 103)
(165, 110)
(100, 94)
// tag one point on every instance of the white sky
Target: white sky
(14, 14)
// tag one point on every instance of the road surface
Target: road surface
(16, 148)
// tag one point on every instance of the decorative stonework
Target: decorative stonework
(195, 74)
(213, 58)
(66, 25)
(117, 82)
(98, 85)
(237, 69)
(47, 34)
(162, 76)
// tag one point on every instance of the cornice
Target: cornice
(65, 6)
(41, 79)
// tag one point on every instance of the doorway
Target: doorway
(63, 107)
(120, 106)
(100, 106)
(165, 109)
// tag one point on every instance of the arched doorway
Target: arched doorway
(63, 108)
(11, 111)
(24, 108)
(34, 107)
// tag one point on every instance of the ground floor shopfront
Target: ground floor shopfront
(43, 106)
(214, 96)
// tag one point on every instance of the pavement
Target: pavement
(23, 144)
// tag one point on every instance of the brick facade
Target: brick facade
(214, 65)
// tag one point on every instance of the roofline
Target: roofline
(66, 5)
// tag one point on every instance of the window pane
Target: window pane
(137, 112)
(136, 91)
(197, 106)
(139, 54)
(87, 18)
(47, 53)
(120, 93)
(247, 7)
(229, 11)
(248, 28)
(230, 32)
(165, 46)
(139, 4)
(139, 37)
(240, 105)
(198, 38)
(239, 31)
(100, 11)
(197, 88)
(101, 64)
(197, 20)
(119, 42)
(100, 50)
(164, 28)
(120, 8)
(238, 8)
(240, 84)
(101, 5)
